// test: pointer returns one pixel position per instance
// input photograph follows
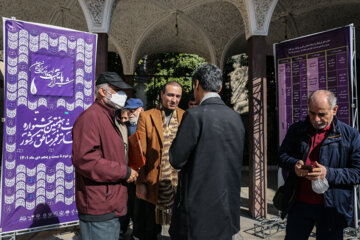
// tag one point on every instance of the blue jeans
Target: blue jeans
(106, 230)
(303, 217)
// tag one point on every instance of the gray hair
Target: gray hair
(330, 97)
(104, 86)
(209, 77)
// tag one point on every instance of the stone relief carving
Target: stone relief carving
(141, 27)
(186, 40)
(131, 29)
(96, 8)
(238, 80)
(223, 14)
(134, 19)
(241, 6)
(261, 8)
(113, 8)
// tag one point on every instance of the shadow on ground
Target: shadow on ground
(246, 221)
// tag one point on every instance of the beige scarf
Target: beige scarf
(124, 133)
(168, 175)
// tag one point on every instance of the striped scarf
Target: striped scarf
(168, 175)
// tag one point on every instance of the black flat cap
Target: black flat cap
(112, 78)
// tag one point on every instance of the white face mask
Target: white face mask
(118, 99)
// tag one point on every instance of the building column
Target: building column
(101, 54)
(257, 128)
(98, 18)
(257, 16)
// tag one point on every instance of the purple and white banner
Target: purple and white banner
(49, 81)
(309, 63)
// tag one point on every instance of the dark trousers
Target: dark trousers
(303, 217)
(125, 220)
(145, 227)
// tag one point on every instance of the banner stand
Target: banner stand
(12, 235)
(49, 74)
(354, 231)
(325, 60)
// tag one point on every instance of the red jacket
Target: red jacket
(99, 160)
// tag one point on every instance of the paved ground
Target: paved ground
(247, 223)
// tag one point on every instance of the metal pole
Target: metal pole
(356, 208)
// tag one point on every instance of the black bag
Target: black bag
(285, 196)
(279, 198)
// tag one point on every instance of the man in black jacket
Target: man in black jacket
(208, 151)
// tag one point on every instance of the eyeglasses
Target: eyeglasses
(131, 110)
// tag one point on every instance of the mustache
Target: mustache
(318, 124)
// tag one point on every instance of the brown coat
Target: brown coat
(150, 128)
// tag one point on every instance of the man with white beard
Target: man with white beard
(133, 107)
(322, 156)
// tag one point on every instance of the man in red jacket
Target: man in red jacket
(99, 158)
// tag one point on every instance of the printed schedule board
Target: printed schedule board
(309, 63)
(49, 81)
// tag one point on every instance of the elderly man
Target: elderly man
(157, 179)
(134, 106)
(208, 151)
(98, 156)
(322, 155)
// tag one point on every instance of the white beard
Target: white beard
(319, 125)
(134, 120)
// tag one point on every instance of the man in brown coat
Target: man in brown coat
(157, 180)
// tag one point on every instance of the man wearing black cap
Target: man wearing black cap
(99, 158)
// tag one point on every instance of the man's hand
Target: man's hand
(318, 171)
(300, 172)
(133, 176)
